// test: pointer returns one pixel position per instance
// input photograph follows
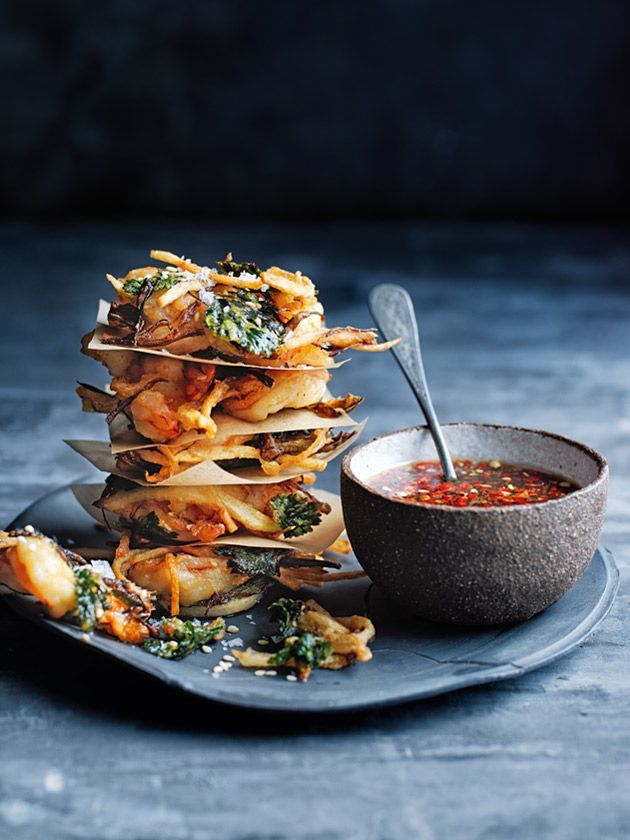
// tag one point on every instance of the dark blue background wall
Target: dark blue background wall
(444, 108)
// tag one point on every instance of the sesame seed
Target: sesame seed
(232, 628)
(206, 649)
(263, 641)
(271, 673)
(229, 658)
(85, 637)
(259, 673)
(291, 678)
(217, 669)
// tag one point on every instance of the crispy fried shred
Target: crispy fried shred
(337, 406)
(318, 640)
(275, 453)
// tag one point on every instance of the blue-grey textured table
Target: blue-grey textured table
(520, 325)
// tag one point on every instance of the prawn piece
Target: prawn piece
(192, 416)
(140, 373)
(36, 565)
(290, 389)
(198, 380)
(154, 416)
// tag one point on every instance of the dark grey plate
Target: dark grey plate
(412, 659)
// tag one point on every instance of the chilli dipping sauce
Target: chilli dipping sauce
(479, 484)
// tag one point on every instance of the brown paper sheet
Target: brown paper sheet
(124, 439)
(99, 453)
(318, 540)
(97, 343)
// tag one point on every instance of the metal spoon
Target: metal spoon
(393, 312)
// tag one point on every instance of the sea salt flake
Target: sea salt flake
(102, 567)
(207, 296)
(247, 277)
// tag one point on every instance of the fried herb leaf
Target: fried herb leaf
(247, 319)
(151, 528)
(306, 649)
(252, 561)
(229, 266)
(177, 638)
(253, 586)
(285, 612)
(132, 287)
(92, 599)
(157, 282)
(294, 513)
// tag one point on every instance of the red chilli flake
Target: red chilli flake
(479, 484)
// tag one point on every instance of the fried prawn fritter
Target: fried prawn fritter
(237, 311)
(214, 580)
(165, 515)
(32, 563)
(166, 397)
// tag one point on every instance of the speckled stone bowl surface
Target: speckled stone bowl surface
(475, 565)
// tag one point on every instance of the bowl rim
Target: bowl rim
(602, 470)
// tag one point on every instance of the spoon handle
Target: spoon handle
(393, 313)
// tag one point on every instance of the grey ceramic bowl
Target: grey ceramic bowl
(475, 565)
